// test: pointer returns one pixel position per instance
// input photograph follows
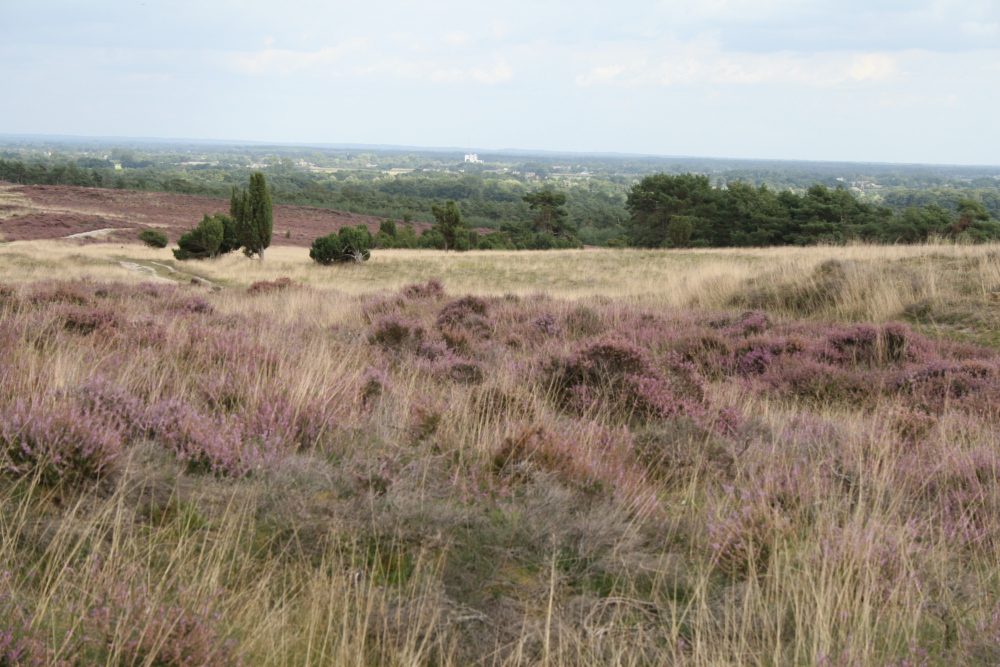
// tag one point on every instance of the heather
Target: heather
(283, 474)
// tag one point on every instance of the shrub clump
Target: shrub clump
(213, 236)
(266, 287)
(467, 310)
(71, 293)
(825, 287)
(584, 321)
(350, 244)
(417, 292)
(395, 334)
(618, 377)
(154, 238)
(84, 322)
(58, 441)
(131, 623)
(679, 451)
(193, 304)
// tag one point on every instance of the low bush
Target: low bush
(154, 238)
(350, 244)
(433, 289)
(459, 311)
(129, 622)
(56, 440)
(266, 287)
(215, 235)
(87, 321)
(395, 334)
(619, 379)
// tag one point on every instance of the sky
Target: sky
(873, 80)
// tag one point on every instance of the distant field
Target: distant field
(53, 211)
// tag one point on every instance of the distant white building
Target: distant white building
(472, 157)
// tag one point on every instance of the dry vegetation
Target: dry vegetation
(33, 212)
(603, 457)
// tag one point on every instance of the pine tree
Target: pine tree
(450, 225)
(254, 214)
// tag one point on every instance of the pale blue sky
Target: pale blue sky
(890, 80)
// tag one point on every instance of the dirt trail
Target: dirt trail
(97, 232)
(134, 266)
(150, 267)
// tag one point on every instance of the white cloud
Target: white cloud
(918, 100)
(700, 62)
(502, 72)
(284, 61)
(499, 73)
(457, 38)
(872, 67)
(977, 29)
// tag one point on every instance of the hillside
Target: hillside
(35, 212)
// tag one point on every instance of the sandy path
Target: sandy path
(97, 232)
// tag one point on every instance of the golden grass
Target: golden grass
(25, 206)
(958, 286)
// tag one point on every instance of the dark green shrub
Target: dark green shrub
(495, 241)
(154, 238)
(431, 239)
(327, 250)
(388, 227)
(349, 244)
(406, 237)
(462, 241)
(215, 235)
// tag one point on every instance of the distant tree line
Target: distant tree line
(685, 210)
(40, 174)
(660, 210)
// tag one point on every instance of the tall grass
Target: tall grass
(860, 282)
(712, 472)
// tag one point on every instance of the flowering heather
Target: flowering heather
(336, 479)
(56, 440)
(266, 287)
(433, 289)
(469, 310)
(393, 333)
(88, 321)
(619, 378)
(376, 383)
(547, 325)
(19, 644)
(132, 622)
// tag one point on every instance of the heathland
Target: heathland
(726, 202)
(785, 456)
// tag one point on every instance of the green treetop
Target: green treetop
(450, 225)
(254, 215)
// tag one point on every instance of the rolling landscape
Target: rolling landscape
(587, 456)
(553, 334)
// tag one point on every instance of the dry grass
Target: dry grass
(12, 203)
(17, 204)
(428, 523)
(882, 279)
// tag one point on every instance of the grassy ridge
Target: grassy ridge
(572, 458)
